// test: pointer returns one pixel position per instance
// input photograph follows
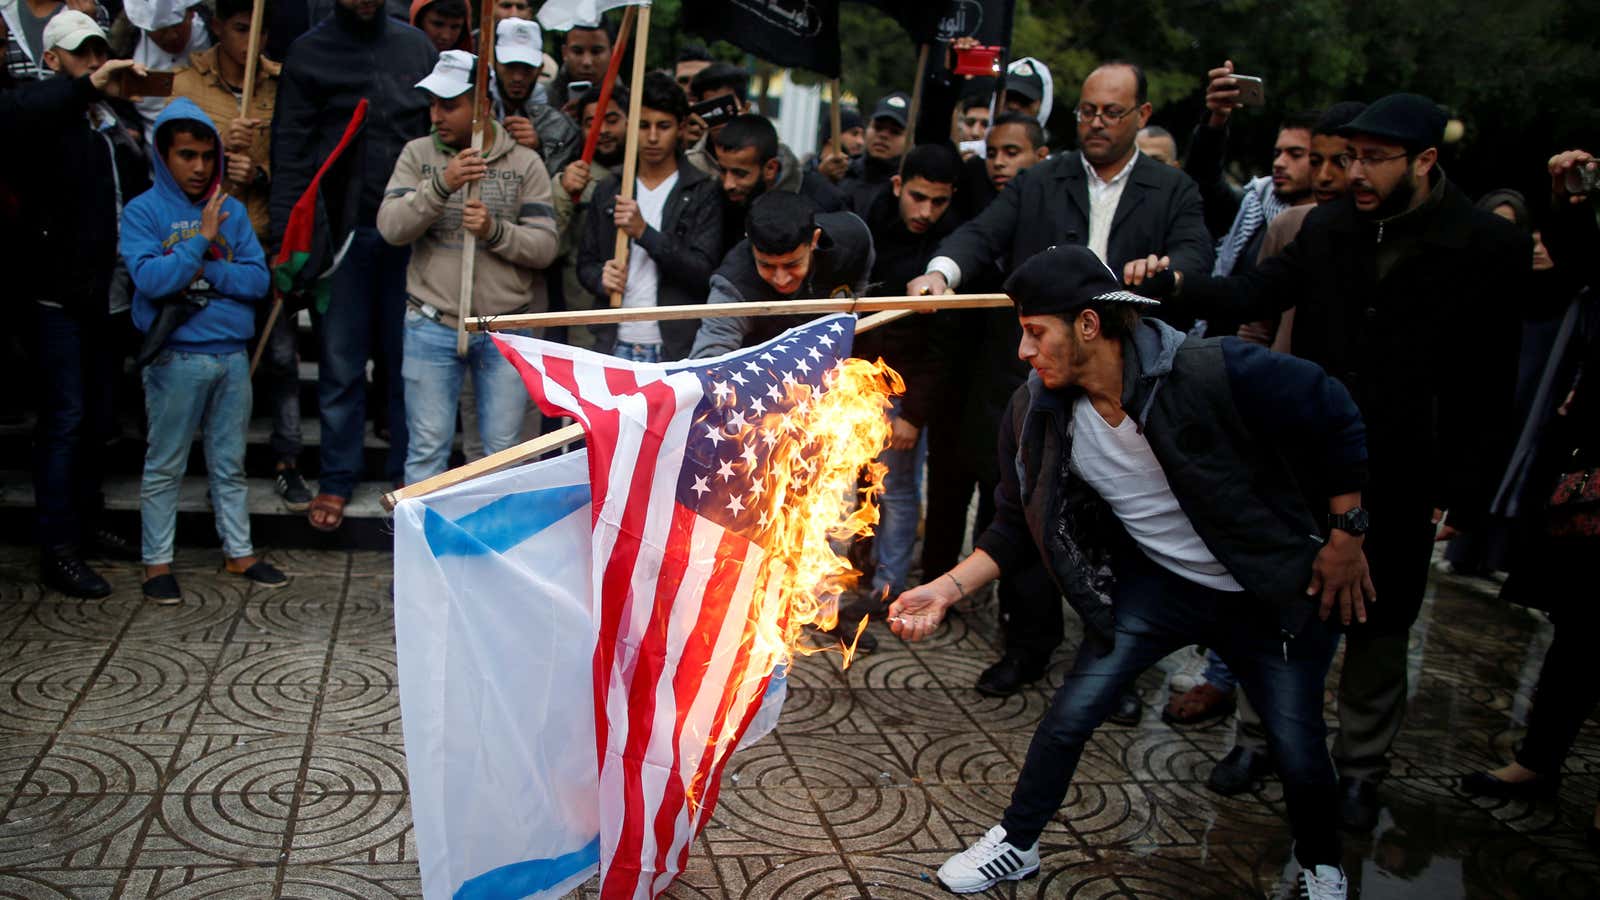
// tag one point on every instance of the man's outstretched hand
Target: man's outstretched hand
(917, 612)
(1340, 575)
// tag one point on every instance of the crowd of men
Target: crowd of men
(1356, 259)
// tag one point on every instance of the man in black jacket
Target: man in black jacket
(1394, 287)
(1176, 490)
(675, 221)
(91, 162)
(791, 253)
(748, 162)
(357, 53)
(868, 174)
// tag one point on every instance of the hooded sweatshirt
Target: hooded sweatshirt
(418, 210)
(418, 7)
(165, 254)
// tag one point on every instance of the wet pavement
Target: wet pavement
(247, 744)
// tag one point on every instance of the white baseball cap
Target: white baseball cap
(451, 75)
(518, 41)
(68, 29)
(151, 15)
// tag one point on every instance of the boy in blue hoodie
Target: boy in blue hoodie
(186, 241)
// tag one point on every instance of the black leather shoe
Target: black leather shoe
(65, 571)
(107, 544)
(1358, 804)
(1241, 770)
(1014, 671)
(1482, 784)
(1129, 709)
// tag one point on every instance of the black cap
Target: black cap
(1410, 120)
(1065, 279)
(849, 120)
(1024, 79)
(894, 107)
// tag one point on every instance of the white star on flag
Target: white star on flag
(700, 486)
(725, 470)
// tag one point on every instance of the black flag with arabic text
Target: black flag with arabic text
(801, 34)
(942, 21)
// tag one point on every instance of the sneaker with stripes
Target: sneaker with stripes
(987, 863)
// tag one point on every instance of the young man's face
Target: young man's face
(174, 38)
(85, 60)
(744, 176)
(1050, 345)
(586, 53)
(1162, 149)
(922, 202)
(852, 141)
(613, 131)
(1291, 165)
(886, 139)
(193, 163)
(1021, 103)
(1328, 178)
(452, 118)
(516, 80)
(684, 72)
(365, 10)
(512, 9)
(1009, 152)
(658, 136)
(786, 272)
(974, 123)
(443, 31)
(233, 38)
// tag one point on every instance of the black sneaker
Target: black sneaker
(1130, 709)
(1014, 671)
(162, 590)
(65, 571)
(845, 632)
(293, 489)
(264, 574)
(1239, 771)
(107, 544)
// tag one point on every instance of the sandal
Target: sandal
(327, 512)
(1201, 703)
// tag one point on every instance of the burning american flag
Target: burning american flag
(717, 487)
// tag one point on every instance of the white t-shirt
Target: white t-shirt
(1119, 464)
(643, 279)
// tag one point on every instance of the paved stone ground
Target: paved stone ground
(247, 744)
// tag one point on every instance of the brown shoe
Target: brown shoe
(1201, 703)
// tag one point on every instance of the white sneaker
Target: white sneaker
(988, 862)
(1322, 883)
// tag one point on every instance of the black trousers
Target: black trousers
(1567, 691)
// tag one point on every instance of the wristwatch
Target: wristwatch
(1354, 521)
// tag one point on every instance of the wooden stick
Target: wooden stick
(266, 334)
(916, 97)
(604, 101)
(630, 153)
(256, 14)
(719, 310)
(834, 114)
(480, 126)
(527, 450)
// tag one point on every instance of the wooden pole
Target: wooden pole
(916, 97)
(719, 310)
(544, 443)
(480, 125)
(630, 154)
(592, 140)
(834, 99)
(256, 13)
(266, 334)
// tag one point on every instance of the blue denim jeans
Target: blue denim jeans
(365, 319)
(639, 353)
(185, 393)
(433, 375)
(78, 370)
(1156, 613)
(1217, 673)
(899, 509)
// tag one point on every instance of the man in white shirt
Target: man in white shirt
(1177, 490)
(168, 33)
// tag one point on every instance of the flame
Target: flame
(817, 503)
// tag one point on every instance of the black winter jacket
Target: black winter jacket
(684, 250)
(328, 71)
(69, 199)
(1252, 442)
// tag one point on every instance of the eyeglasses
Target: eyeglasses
(1108, 114)
(1346, 160)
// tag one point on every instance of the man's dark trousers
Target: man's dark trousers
(1158, 612)
(368, 305)
(80, 367)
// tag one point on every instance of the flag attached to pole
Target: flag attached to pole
(316, 236)
(681, 461)
(799, 33)
(564, 15)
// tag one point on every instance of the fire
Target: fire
(817, 504)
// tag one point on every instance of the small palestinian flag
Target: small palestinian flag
(313, 240)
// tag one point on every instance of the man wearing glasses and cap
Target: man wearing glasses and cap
(1396, 289)
(1176, 490)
